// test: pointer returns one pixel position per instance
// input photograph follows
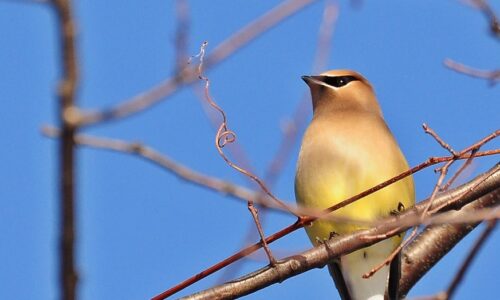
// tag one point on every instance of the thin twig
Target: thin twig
(241, 193)
(165, 162)
(225, 49)
(448, 294)
(393, 254)
(444, 169)
(291, 127)
(492, 76)
(438, 139)
(236, 150)
(481, 142)
(462, 168)
(338, 246)
(191, 176)
(68, 115)
(303, 221)
(181, 35)
(225, 136)
(255, 215)
(438, 208)
(325, 34)
(490, 15)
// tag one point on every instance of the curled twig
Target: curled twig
(303, 221)
(225, 49)
(226, 136)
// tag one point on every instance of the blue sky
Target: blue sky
(141, 230)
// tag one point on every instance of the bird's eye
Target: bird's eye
(338, 81)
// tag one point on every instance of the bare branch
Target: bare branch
(241, 193)
(454, 217)
(447, 197)
(291, 127)
(464, 166)
(303, 221)
(438, 139)
(437, 240)
(319, 256)
(438, 187)
(68, 117)
(325, 33)
(228, 47)
(490, 15)
(394, 253)
(492, 76)
(163, 161)
(226, 136)
(181, 34)
(256, 220)
(290, 132)
(468, 260)
(444, 169)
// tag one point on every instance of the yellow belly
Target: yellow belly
(331, 170)
(333, 188)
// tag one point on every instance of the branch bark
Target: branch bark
(68, 118)
(317, 257)
(436, 241)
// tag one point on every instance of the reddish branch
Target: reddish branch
(438, 187)
(68, 117)
(225, 136)
(318, 256)
(291, 127)
(303, 221)
(226, 187)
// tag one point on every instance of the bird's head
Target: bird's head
(341, 90)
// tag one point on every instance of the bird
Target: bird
(346, 149)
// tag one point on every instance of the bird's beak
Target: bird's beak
(312, 79)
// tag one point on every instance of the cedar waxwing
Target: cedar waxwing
(346, 150)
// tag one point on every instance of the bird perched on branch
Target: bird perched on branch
(346, 150)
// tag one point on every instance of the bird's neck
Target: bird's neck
(339, 109)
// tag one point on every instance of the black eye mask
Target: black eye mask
(338, 81)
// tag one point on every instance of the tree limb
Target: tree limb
(318, 257)
(436, 241)
(68, 117)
